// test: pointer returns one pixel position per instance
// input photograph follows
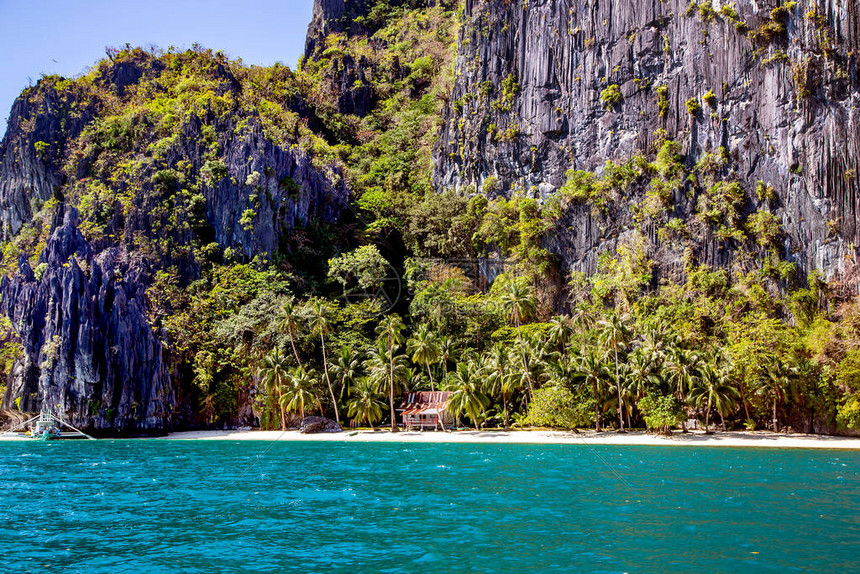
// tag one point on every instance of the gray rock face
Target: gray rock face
(312, 425)
(786, 109)
(90, 354)
(31, 153)
(282, 187)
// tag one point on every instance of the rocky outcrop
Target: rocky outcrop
(311, 425)
(90, 354)
(41, 124)
(527, 106)
(282, 188)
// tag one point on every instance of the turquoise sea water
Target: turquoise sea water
(144, 506)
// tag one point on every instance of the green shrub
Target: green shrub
(663, 100)
(710, 98)
(611, 97)
(661, 413)
(557, 407)
(213, 171)
(491, 184)
(247, 219)
(694, 107)
(766, 228)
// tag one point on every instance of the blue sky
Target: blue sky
(65, 37)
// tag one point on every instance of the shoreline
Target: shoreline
(731, 439)
(761, 439)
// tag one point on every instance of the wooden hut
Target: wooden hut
(426, 410)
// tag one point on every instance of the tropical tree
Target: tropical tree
(298, 393)
(346, 368)
(424, 350)
(639, 378)
(287, 322)
(390, 332)
(778, 383)
(593, 373)
(274, 373)
(365, 404)
(682, 368)
(560, 332)
(319, 323)
(712, 389)
(467, 394)
(446, 350)
(614, 335)
(518, 302)
(499, 380)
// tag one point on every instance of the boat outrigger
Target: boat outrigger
(48, 427)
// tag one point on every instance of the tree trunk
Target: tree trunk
(596, 407)
(283, 409)
(708, 416)
(618, 388)
(429, 374)
(523, 355)
(505, 405)
(744, 402)
(328, 380)
(775, 421)
(293, 345)
(391, 384)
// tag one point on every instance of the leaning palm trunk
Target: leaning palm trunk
(708, 416)
(283, 409)
(293, 345)
(523, 355)
(505, 405)
(328, 380)
(429, 374)
(618, 388)
(391, 386)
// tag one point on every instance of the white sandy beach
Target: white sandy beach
(696, 439)
(762, 439)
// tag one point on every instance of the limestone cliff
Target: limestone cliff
(217, 188)
(775, 84)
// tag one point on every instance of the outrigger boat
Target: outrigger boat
(48, 427)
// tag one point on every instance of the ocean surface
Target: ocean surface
(225, 506)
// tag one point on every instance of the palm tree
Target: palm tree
(582, 320)
(346, 368)
(499, 380)
(287, 323)
(614, 334)
(319, 323)
(298, 393)
(593, 373)
(274, 372)
(390, 332)
(424, 350)
(640, 375)
(446, 349)
(713, 389)
(365, 404)
(560, 332)
(778, 382)
(519, 303)
(467, 395)
(682, 370)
